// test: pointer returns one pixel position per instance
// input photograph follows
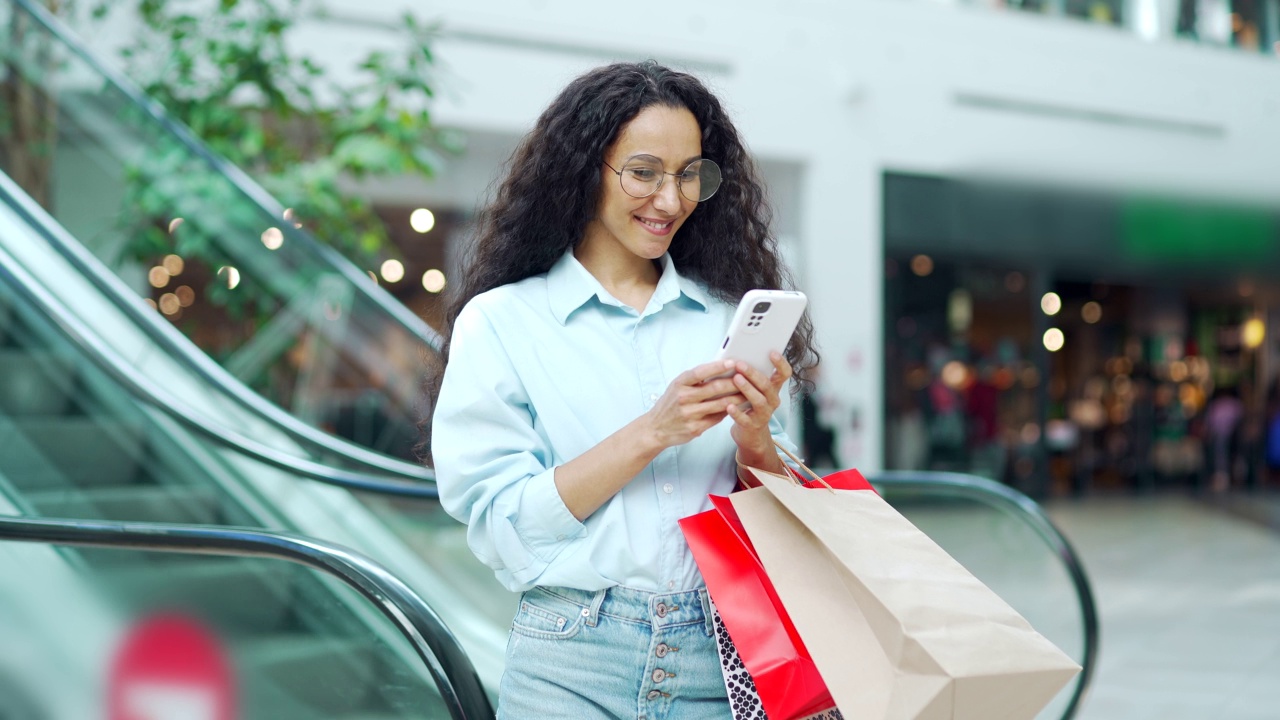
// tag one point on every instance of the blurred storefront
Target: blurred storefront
(1069, 342)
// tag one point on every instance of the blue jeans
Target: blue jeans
(615, 653)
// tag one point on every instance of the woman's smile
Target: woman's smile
(657, 227)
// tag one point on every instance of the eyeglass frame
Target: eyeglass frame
(663, 178)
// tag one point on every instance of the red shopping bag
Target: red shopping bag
(767, 642)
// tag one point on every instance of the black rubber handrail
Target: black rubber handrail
(144, 389)
(972, 487)
(447, 662)
(169, 338)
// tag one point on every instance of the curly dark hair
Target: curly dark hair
(552, 187)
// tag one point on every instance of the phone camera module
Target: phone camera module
(761, 307)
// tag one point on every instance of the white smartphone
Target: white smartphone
(763, 323)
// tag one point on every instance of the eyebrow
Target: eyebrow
(655, 157)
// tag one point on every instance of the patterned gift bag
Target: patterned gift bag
(743, 698)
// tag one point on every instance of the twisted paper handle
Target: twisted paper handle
(800, 463)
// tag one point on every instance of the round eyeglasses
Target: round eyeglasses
(643, 175)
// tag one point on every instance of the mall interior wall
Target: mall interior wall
(831, 95)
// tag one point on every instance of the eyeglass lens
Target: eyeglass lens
(641, 177)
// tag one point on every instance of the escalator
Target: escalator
(292, 627)
(85, 435)
(298, 417)
(322, 348)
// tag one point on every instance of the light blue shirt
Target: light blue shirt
(544, 369)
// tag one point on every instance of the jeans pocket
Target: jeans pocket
(543, 615)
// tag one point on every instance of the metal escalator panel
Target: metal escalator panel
(220, 259)
(215, 623)
(1007, 542)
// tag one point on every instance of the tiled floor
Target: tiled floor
(1189, 598)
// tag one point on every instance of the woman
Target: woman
(577, 418)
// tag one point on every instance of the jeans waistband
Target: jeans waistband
(656, 609)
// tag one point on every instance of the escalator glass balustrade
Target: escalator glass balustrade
(213, 252)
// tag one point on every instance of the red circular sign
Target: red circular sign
(170, 667)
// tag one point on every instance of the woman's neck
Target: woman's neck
(627, 276)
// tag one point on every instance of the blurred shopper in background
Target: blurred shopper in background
(982, 398)
(1222, 423)
(819, 439)
(577, 418)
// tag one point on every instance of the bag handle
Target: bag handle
(800, 463)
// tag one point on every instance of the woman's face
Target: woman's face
(646, 226)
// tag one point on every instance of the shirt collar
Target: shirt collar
(570, 286)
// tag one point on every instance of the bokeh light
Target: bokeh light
(1054, 339)
(422, 220)
(433, 280)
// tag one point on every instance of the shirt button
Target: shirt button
(653, 398)
(559, 537)
(671, 584)
(668, 488)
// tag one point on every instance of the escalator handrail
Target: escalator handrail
(1019, 505)
(146, 390)
(173, 342)
(434, 643)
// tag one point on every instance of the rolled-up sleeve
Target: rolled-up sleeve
(494, 471)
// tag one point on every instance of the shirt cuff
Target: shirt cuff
(550, 524)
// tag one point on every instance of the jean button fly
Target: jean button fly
(662, 610)
(659, 675)
(661, 650)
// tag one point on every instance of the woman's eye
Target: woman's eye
(689, 177)
(643, 173)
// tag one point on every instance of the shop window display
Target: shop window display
(1111, 388)
(960, 390)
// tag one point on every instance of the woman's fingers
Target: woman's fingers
(706, 371)
(715, 389)
(704, 395)
(760, 391)
(782, 368)
(753, 394)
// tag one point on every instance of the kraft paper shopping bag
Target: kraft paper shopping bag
(897, 628)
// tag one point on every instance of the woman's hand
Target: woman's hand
(751, 422)
(694, 403)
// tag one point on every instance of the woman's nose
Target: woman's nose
(667, 198)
